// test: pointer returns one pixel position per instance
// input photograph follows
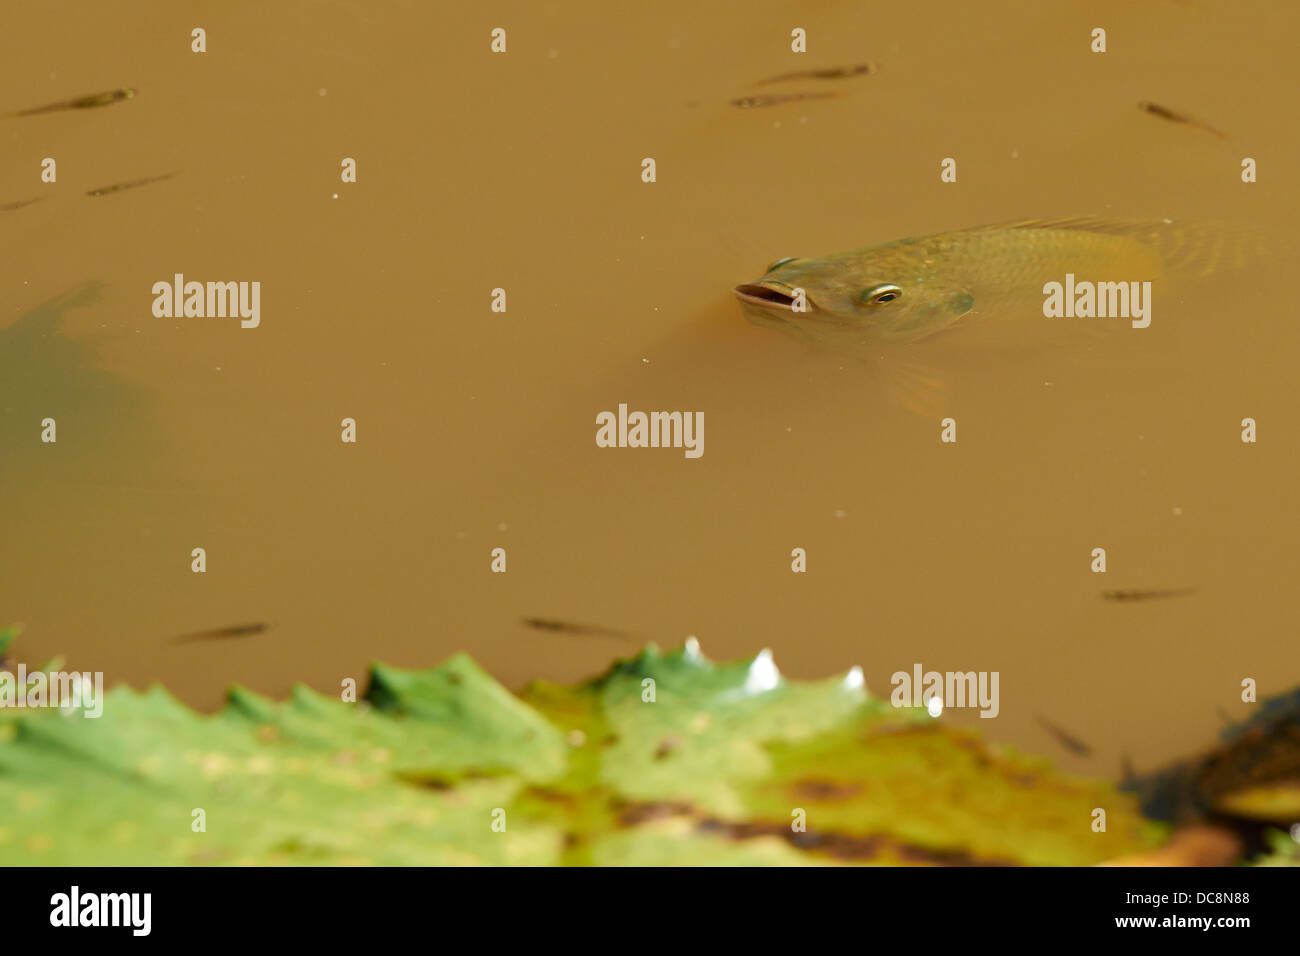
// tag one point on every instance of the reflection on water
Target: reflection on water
(475, 428)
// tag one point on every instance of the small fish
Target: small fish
(1072, 744)
(776, 99)
(1169, 114)
(565, 627)
(221, 633)
(129, 184)
(11, 206)
(82, 102)
(909, 289)
(831, 73)
(1140, 594)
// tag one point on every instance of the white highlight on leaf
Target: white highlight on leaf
(763, 675)
(854, 680)
(935, 707)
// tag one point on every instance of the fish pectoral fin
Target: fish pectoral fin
(909, 384)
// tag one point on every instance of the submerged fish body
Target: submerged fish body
(906, 290)
(1173, 116)
(82, 102)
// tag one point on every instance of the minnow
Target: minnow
(1139, 594)
(11, 206)
(1072, 744)
(749, 102)
(82, 102)
(566, 627)
(220, 633)
(129, 184)
(1169, 114)
(832, 73)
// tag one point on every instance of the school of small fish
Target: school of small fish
(91, 101)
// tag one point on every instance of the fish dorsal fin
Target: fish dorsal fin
(1190, 247)
(1117, 227)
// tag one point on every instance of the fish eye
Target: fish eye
(881, 294)
(778, 263)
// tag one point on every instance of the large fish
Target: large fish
(906, 290)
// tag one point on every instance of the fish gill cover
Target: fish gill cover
(711, 772)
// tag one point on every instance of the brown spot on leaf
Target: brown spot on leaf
(850, 848)
(813, 789)
(421, 778)
(667, 746)
(846, 847)
(631, 815)
(550, 795)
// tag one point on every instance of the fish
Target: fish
(129, 184)
(776, 99)
(82, 102)
(1139, 594)
(830, 73)
(910, 289)
(566, 627)
(1164, 113)
(19, 204)
(221, 633)
(1070, 743)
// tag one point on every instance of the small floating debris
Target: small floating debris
(1165, 113)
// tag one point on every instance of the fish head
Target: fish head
(856, 296)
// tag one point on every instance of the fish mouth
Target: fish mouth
(768, 296)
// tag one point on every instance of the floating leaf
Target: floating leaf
(717, 765)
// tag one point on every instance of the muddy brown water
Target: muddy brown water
(476, 429)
